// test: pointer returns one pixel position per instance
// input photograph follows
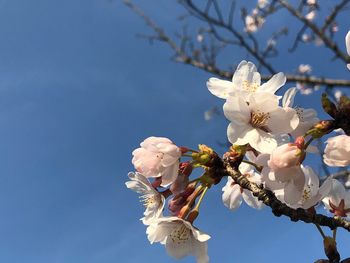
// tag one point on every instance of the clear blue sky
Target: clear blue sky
(78, 92)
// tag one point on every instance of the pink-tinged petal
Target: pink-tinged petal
(292, 193)
(199, 235)
(288, 97)
(170, 174)
(274, 84)
(246, 71)
(283, 120)
(251, 200)
(220, 88)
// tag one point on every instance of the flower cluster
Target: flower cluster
(270, 140)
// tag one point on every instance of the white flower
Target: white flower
(337, 151)
(262, 3)
(307, 117)
(152, 199)
(250, 24)
(157, 157)
(338, 199)
(347, 42)
(304, 89)
(304, 69)
(311, 2)
(259, 122)
(337, 95)
(180, 238)
(311, 15)
(246, 80)
(233, 193)
(312, 192)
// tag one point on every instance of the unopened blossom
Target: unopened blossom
(311, 15)
(338, 200)
(307, 117)
(246, 80)
(180, 238)
(304, 69)
(258, 123)
(157, 157)
(306, 37)
(312, 192)
(285, 156)
(337, 151)
(152, 199)
(233, 193)
(347, 42)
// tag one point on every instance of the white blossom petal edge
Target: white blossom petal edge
(152, 199)
(180, 238)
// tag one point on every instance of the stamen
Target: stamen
(181, 234)
(259, 120)
(147, 200)
(252, 87)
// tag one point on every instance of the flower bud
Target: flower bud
(180, 184)
(285, 156)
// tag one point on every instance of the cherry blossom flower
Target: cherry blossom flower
(307, 117)
(311, 2)
(258, 123)
(337, 151)
(347, 42)
(152, 199)
(246, 80)
(304, 69)
(338, 200)
(157, 157)
(262, 3)
(180, 238)
(311, 15)
(233, 193)
(312, 192)
(337, 95)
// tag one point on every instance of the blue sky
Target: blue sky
(78, 92)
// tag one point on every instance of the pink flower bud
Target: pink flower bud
(285, 156)
(157, 157)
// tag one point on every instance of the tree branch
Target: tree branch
(278, 208)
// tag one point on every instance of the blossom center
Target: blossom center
(251, 87)
(306, 194)
(180, 234)
(300, 113)
(259, 120)
(148, 200)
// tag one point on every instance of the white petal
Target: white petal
(283, 120)
(232, 197)
(246, 71)
(236, 109)
(288, 97)
(236, 133)
(251, 200)
(201, 252)
(347, 42)
(274, 83)
(220, 88)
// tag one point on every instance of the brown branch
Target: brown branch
(326, 40)
(333, 15)
(278, 208)
(182, 57)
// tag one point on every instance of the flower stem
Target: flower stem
(320, 230)
(335, 233)
(201, 198)
(187, 155)
(191, 150)
(308, 143)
